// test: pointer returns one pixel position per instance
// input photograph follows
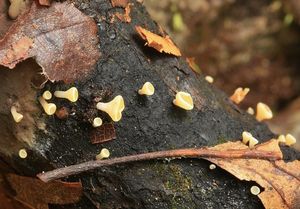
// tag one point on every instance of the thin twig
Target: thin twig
(187, 153)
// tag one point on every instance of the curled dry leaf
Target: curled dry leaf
(161, 44)
(280, 180)
(37, 194)
(104, 133)
(62, 40)
(126, 16)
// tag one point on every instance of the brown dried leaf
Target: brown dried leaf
(119, 3)
(104, 133)
(280, 180)
(161, 44)
(37, 194)
(62, 40)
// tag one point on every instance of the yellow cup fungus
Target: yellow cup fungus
(250, 110)
(184, 100)
(147, 89)
(47, 95)
(17, 7)
(22, 153)
(209, 79)
(239, 95)
(255, 190)
(247, 137)
(263, 112)
(71, 94)
(49, 108)
(104, 153)
(97, 122)
(290, 140)
(281, 138)
(17, 116)
(113, 108)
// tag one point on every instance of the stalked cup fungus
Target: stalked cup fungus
(47, 95)
(184, 100)
(49, 108)
(239, 95)
(147, 89)
(22, 153)
(247, 137)
(212, 166)
(113, 108)
(281, 138)
(250, 110)
(71, 94)
(103, 154)
(290, 140)
(17, 116)
(209, 79)
(263, 112)
(97, 122)
(255, 190)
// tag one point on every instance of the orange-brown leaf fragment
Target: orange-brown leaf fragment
(37, 194)
(62, 40)
(161, 44)
(104, 133)
(119, 3)
(126, 16)
(280, 180)
(45, 2)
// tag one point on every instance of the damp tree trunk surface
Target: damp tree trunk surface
(148, 124)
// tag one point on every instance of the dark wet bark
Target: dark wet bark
(148, 124)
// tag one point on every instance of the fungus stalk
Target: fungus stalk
(71, 94)
(147, 89)
(17, 116)
(49, 108)
(184, 100)
(113, 108)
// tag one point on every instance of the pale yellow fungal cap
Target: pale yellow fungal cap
(212, 166)
(239, 95)
(209, 79)
(22, 153)
(147, 89)
(104, 153)
(281, 138)
(263, 112)
(113, 108)
(47, 95)
(97, 122)
(184, 100)
(247, 137)
(250, 110)
(71, 94)
(16, 116)
(290, 140)
(255, 190)
(49, 108)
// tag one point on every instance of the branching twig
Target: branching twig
(188, 153)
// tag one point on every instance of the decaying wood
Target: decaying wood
(149, 124)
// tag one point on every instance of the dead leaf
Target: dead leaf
(161, 44)
(104, 133)
(45, 2)
(280, 180)
(193, 65)
(119, 3)
(62, 40)
(37, 194)
(126, 16)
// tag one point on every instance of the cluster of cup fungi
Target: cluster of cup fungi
(182, 100)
